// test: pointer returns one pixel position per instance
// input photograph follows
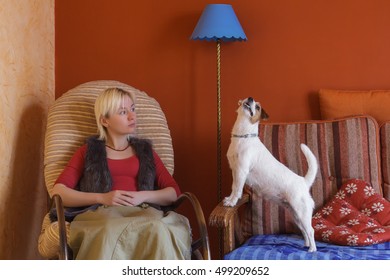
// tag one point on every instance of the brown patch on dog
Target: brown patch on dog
(260, 114)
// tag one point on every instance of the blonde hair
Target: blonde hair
(106, 104)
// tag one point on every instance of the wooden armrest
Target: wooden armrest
(64, 253)
(222, 215)
(203, 241)
(227, 219)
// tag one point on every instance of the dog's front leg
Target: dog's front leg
(239, 178)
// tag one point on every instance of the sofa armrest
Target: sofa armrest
(228, 221)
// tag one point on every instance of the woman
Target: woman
(121, 176)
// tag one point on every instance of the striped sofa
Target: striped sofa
(347, 148)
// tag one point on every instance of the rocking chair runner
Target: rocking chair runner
(71, 120)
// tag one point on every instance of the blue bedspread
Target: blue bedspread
(290, 247)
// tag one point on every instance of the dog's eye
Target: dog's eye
(257, 107)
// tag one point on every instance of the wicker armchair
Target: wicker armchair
(71, 120)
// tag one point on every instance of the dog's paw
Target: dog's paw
(230, 201)
(312, 249)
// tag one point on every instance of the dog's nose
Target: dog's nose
(250, 99)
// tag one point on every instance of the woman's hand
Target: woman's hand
(124, 198)
(134, 198)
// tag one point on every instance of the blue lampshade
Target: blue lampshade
(218, 21)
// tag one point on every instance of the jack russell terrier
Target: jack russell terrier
(252, 164)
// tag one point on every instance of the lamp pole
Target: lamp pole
(219, 123)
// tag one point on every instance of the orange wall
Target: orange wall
(294, 48)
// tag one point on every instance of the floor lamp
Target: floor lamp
(218, 23)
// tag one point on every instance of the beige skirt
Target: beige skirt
(130, 233)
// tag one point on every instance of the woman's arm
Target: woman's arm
(73, 198)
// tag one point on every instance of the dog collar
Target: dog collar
(245, 135)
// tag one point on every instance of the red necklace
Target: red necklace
(118, 150)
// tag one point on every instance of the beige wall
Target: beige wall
(26, 91)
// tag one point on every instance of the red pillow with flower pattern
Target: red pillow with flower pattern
(356, 216)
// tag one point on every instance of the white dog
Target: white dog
(254, 165)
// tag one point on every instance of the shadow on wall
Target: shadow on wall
(314, 105)
(27, 200)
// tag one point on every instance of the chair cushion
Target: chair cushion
(291, 247)
(355, 216)
(343, 103)
(49, 239)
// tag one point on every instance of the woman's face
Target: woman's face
(123, 121)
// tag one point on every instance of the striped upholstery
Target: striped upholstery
(385, 149)
(71, 120)
(48, 241)
(346, 148)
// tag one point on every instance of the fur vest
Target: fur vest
(96, 176)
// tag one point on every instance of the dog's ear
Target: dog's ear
(240, 102)
(264, 115)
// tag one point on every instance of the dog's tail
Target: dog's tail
(313, 166)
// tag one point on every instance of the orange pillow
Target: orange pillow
(344, 103)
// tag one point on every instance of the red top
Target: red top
(123, 172)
